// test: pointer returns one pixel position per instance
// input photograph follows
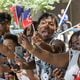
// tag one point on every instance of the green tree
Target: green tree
(35, 5)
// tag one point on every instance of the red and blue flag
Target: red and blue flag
(26, 18)
(16, 11)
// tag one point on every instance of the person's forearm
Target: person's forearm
(55, 59)
(60, 60)
(46, 47)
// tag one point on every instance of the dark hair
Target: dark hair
(31, 31)
(75, 36)
(12, 37)
(46, 15)
(59, 46)
(5, 17)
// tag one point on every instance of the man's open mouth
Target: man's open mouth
(45, 33)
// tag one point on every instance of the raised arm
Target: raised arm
(59, 60)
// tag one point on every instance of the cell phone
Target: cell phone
(19, 51)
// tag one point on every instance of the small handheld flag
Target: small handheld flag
(16, 11)
(26, 18)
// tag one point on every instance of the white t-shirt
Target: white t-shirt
(2, 79)
(73, 67)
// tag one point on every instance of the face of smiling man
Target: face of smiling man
(10, 44)
(47, 27)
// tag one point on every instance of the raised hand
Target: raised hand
(24, 42)
(37, 38)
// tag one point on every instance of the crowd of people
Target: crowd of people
(33, 56)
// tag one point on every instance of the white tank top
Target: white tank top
(73, 67)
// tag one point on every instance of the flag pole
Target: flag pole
(33, 28)
(65, 12)
(69, 29)
(17, 23)
(66, 31)
(63, 16)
